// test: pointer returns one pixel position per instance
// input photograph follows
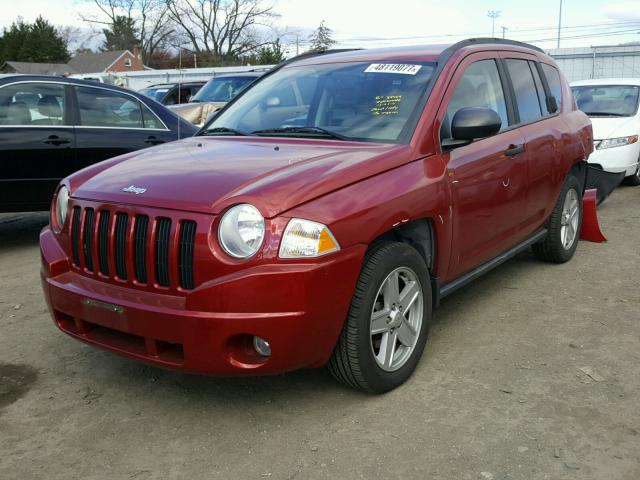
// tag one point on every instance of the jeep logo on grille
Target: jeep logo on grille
(134, 189)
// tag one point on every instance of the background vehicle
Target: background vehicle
(214, 95)
(321, 217)
(172, 93)
(612, 106)
(51, 127)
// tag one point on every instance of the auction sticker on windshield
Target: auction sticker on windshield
(404, 68)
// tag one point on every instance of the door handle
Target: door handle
(56, 140)
(153, 140)
(514, 150)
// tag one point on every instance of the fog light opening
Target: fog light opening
(261, 346)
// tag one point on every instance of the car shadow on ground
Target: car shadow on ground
(21, 229)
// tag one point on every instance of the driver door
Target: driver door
(488, 176)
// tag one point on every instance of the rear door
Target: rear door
(542, 129)
(111, 123)
(487, 177)
(37, 143)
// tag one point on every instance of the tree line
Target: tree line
(168, 33)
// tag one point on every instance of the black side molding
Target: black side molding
(440, 292)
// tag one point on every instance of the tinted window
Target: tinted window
(32, 104)
(542, 97)
(525, 90)
(553, 80)
(105, 108)
(479, 86)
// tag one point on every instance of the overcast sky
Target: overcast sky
(375, 23)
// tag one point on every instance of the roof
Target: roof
(425, 53)
(607, 81)
(38, 68)
(95, 62)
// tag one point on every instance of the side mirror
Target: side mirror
(270, 103)
(474, 122)
(552, 104)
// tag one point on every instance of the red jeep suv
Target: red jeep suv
(323, 214)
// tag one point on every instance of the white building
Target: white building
(598, 62)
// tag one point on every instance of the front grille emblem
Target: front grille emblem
(134, 189)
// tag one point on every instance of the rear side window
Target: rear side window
(525, 90)
(104, 108)
(479, 86)
(553, 80)
(542, 97)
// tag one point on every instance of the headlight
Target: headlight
(304, 238)
(62, 208)
(617, 142)
(241, 231)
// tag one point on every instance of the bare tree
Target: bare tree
(223, 28)
(150, 17)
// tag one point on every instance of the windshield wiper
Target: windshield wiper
(224, 131)
(606, 114)
(301, 131)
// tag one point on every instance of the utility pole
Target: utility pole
(493, 14)
(559, 23)
(504, 31)
(297, 45)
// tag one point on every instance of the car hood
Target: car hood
(209, 174)
(611, 127)
(196, 112)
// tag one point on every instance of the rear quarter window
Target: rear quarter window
(553, 80)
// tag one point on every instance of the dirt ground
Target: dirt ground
(530, 373)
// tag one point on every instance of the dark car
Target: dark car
(214, 95)
(173, 93)
(275, 247)
(51, 127)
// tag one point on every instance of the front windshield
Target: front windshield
(349, 101)
(607, 100)
(155, 92)
(222, 89)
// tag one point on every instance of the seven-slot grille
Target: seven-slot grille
(119, 246)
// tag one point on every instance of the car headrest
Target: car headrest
(18, 114)
(49, 107)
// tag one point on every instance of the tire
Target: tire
(556, 247)
(633, 180)
(359, 359)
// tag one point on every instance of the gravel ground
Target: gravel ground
(530, 373)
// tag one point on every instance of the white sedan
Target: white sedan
(612, 105)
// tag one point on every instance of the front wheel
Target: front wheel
(564, 225)
(386, 329)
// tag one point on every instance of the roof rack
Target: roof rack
(484, 41)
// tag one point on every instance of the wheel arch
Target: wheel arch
(418, 233)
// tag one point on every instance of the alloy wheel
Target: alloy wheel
(396, 319)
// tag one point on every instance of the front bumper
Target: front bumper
(299, 308)
(618, 159)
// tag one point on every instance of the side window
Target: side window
(524, 89)
(479, 86)
(32, 104)
(553, 80)
(542, 96)
(105, 108)
(150, 120)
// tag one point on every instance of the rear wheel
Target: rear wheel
(564, 225)
(386, 330)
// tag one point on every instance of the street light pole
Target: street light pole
(504, 31)
(493, 14)
(559, 23)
